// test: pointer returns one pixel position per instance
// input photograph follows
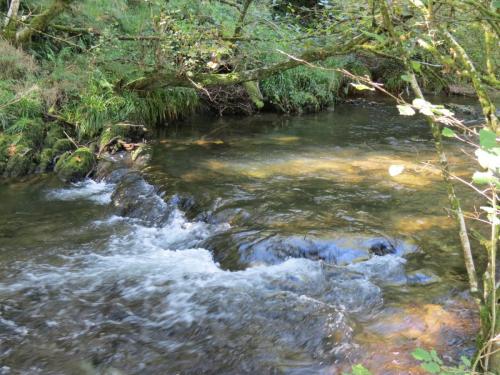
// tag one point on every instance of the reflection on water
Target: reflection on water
(258, 258)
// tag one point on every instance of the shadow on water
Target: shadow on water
(279, 245)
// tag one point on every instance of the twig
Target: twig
(71, 139)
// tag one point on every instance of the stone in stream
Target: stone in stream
(422, 277)
(256, 247)
(382, 248)
(75, 166)
(135, 198)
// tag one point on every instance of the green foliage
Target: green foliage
(431, 363)
(358, 370)
(97, 106)
(301, 89)
(160, 106)
(100, 106)
(447, 132)
(487, 139)
(18, 101)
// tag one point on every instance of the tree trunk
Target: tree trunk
(40, 22)
(9, 29)
(12, 13)
(487, 105)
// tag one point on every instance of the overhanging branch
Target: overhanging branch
(159, 79)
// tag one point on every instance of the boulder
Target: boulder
(134, 197)
(75, 166)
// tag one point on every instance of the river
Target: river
(245, 246)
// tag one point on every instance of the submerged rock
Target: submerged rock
(389, 269)
(382, 248)
(134, 197)
(141, 156)
(75, 166)
(342, 249)
(462, 109)
(423, 277)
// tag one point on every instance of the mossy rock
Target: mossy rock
(112, 132)
(54, 133)
(75, 166)
(31, 132)
(5, 143)
(143, 150)
(61, 146)
(19, 165)
(46, 159)
(94, 147)
(142, 155)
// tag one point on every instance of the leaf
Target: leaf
(447, 132)
(482, 178)
(487, 209)
(495, 150)
(421, 355)
(495, 4)
(416, 66)
(431, 367)
(418, 3)
(487, 139)
(487, 159)
(406, 77)
(439, 110)
(424, 44)
(420, 103)
(360, 370)
(427, 111)
(406, 110)
(361, 87)
(466, 361)
(435, 357)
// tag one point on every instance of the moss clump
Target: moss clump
(46, 159)
(54, 133)
(5, 143)
(30, 132)
(75, 166)
(112, 132)
(61, 146)
(19, 165)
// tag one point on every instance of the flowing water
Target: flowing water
(246, 246)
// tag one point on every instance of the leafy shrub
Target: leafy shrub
(431, 363)
(302, 89)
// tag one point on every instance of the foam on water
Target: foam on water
(98, 192)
